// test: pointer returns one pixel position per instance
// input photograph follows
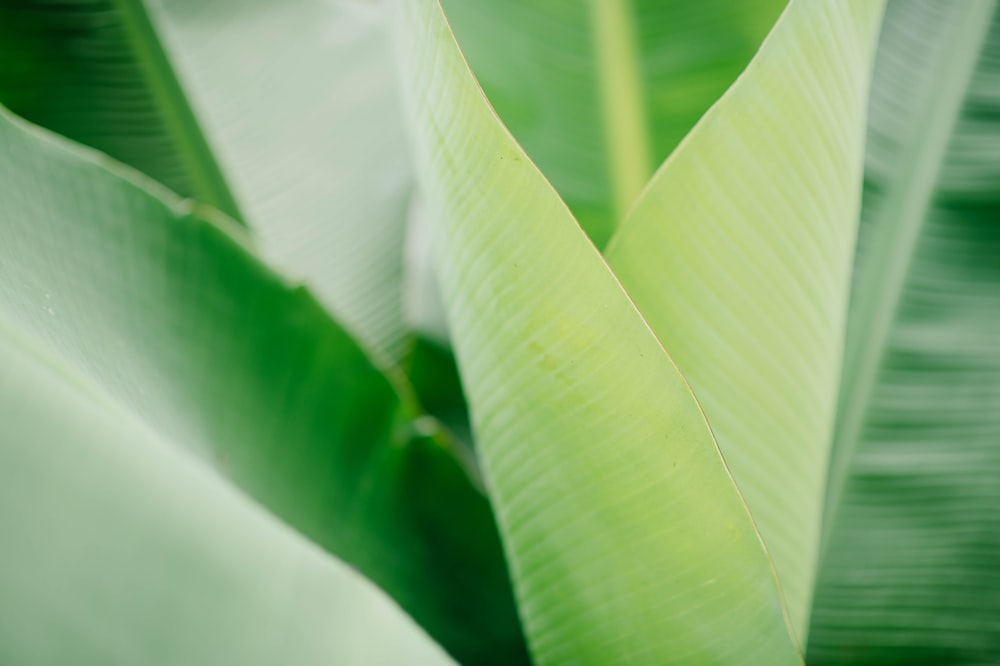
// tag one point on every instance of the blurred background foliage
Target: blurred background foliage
(286, 118)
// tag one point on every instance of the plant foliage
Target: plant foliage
(652, 333)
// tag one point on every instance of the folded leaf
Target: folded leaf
(626, 536)
(910, 571)
(172, 315)
(739, 255)
(600, 91)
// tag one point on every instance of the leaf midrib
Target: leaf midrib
(209, 183)
(896, 232)
(626, 132)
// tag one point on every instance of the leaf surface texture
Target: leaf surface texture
(626, 536)
(739, 256)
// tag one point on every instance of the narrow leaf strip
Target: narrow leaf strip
(627, 538)
(739, 256)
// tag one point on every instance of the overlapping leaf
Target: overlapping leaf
(600, 91)
(171, 315)
(118, 548)
(627, 539)
(739, 253)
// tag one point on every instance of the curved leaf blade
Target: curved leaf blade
(627, 539)
(738, 255)
(284, 112)
(121, 549)
(301, 101)
(180, 323)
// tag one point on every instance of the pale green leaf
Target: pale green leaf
(739, 254)
(300, 99)
(119, 281)
(626, 536)
(600, 91)
(422, 306)
(282, 113)
(120, 549)
(910, 575)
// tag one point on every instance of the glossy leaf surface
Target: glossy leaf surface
(121, 549)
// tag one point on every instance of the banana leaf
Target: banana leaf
(600, 92)
(626, 536)
(739, 255)
(120, 548)
(283, 115)
(910, 568)
(165, 308)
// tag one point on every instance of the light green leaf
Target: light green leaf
(120, 549)
(282, 112)
(600, 91)
(910, 571)
(739, 253)
(301, 100)
(121, 282)
(626, 536)
(422, 306)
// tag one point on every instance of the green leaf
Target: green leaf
(626, 536)
(422, 306)
(600, 91)
(285, 113)
(435, 376)
(910, 571)
(99, 73)
(120, 549)
(166, 309)
(738, 254)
